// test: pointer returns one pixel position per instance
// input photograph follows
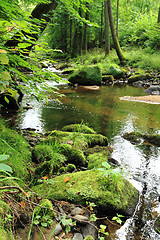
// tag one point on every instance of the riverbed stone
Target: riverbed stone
(95, 160)
(87, 76)
(89, 231)
(110, 194)
(77, 236)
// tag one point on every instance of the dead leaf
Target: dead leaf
(45, 177)
(66, 179)
(78, 192)
(23, 204)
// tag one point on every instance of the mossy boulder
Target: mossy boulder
(52, 166)
(153, 139)
(73, 155)
(138, 77)
(80, 140)
(95, 160)
(70, 168)
(134, 137)
(108, 194)
(87, 76)
(107, 78)
(82, 128)
(42, 153)
(115, 72)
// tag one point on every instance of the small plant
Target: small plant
(102, 232)
(118, 218)
(4, 167)
(44, 221)
(67, 223)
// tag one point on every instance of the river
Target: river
(105, 112)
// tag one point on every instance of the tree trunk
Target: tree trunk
(117, 29)
(80, 34)
(159, 15)
(101, 29)
(74, 46)
(127, 1)
(107, 37)
(114, 37)
(86, 29)
(38, 13)
(71, 32)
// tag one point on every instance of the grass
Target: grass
(14, 145)
(136, 57)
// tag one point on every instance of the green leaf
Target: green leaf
(5, 76)
(6, 99)
(4, 59)
(36, 222)
(3, 157)
(44, 224)
(24, 45)
(103, 226)
(106, 165)
(5, 167)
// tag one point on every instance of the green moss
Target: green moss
(81, 128)
(14, 145)
(80, 140)
(4, 235)
(45, 209)
(51, 166)
(88, 75)
(70, 168)
(115, 72)
(109, 78)
(138, 77)
(42, 153)
(153, 139)
(133, 137)
(92, 186)
(95, 160)
(73, 155)
(89, 238)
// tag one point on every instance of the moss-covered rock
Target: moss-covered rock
(88, 75)
(133, 137)
(138, 77)
(108, 194)
(81, 128)
(70, 168)
(115, 72)
(73, 155)
(80, 140)
(107, 78)
(52, 166)
(95, 160)
(42, 153)
(153, 139)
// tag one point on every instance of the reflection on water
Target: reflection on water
(107, 114)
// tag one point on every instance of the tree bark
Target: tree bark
(80, 34)
(159, 15)
(86, 29)
(37, 13)
(107, 37)
(101, 29)
(114, 37)
(117, 28)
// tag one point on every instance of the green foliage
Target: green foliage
(118, 218)
(67, 223)
(4, 167)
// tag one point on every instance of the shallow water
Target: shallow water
(107, 114)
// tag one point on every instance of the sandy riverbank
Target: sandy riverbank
(154, 99)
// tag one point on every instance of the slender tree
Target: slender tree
(101, 29)
(159, 15)
(117, 28)
(86, 29)
(107, 37)
(114, 37)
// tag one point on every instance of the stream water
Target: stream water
(106, 113)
